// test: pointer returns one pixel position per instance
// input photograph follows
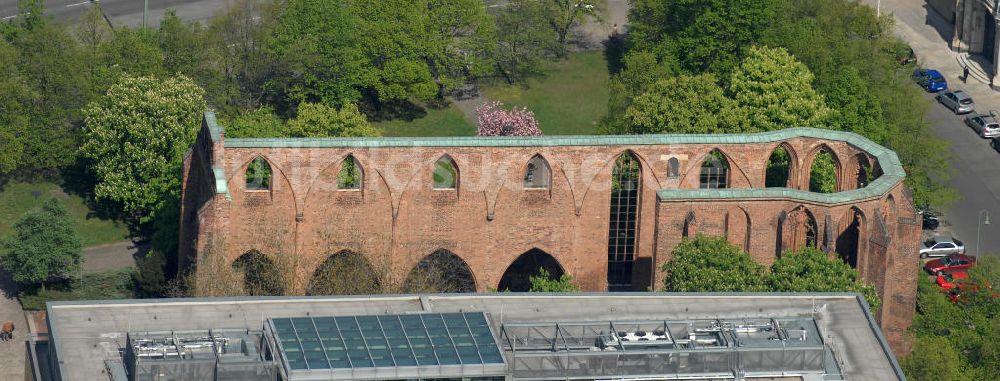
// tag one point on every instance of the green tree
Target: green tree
(15, 103)
(136, 136)
(712, 264)
(523, 41)
(684, 104)
(544, 282)
(639, 71)
(257, 123)
(319, 55)
(704, 35)
(933, 358)
(823, 173)
(811, 270)
(319, 120)
(775, 90)
(44, 246)
(564, 15)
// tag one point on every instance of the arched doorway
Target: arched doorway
(261, 276)
(344, 273)
(518, 274)
(441, 271)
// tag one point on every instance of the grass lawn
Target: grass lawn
(570, 99)
(437, 122)
(17, 198)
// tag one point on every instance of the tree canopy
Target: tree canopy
(44, 246)
(684, 104)
(712, 264)
(136, 136)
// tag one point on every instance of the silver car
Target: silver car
(985, 125)
(958, 101)
(940, 246)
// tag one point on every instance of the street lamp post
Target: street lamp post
(979, 229)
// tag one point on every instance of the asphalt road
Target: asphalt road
(975, 172)
(123, 12)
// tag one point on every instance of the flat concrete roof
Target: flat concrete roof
(84, 333)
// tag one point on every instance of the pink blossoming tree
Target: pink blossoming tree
(493, 120)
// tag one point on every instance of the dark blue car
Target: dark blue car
(930, 79)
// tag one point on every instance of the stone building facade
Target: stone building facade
(607, 210)
(975, 23)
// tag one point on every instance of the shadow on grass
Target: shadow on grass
(614, 51)
(78, 180)
(396, 110)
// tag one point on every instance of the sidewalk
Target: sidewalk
(930, 36)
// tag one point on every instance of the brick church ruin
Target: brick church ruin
(606, 210)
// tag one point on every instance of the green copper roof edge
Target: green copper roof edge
(892, 169)
(213, 126)
(215, 134)
(876, 189)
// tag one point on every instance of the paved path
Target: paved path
(112, 256)
(12, 353)
(123, 12)
(975, 171)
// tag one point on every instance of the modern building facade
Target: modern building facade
(976, 29)
(469, 337)
(607, 210)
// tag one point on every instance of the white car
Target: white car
(985, 125)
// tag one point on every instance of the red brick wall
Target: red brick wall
(397, 218)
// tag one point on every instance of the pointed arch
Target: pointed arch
(850, 240)
(351, 175)
(345, 273)
(445, 172)
(623, 224)
(517, 276)
(864, 174)
(673, 168)
(689, 229)
(537, 173)
(441, 271)
(258, 175)
(261, 276)
(714, 173)
(780, 167)
(824, 170)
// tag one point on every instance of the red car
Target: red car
(951, 263)
(963, 290)
(948, 281)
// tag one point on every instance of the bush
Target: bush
(112, 284)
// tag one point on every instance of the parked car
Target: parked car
(995, 143)
(965, 290)
(957, 101)
(985, 125)
(930, 79)
(930, 218)
(951, 280)
(939, 246)
(950, 264)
